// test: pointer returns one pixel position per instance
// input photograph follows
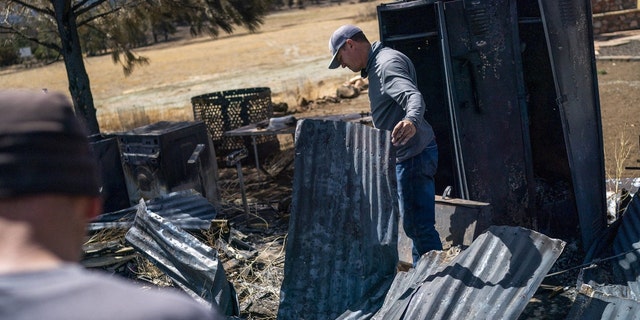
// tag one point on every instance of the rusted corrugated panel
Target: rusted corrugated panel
(593, 304)
(186, 209)
(341, 250)
(492, 279)
(193, 265)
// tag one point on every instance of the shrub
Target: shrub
(8, 56)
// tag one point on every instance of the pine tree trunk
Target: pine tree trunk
(79, 86)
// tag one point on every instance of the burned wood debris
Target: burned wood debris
(237, 268)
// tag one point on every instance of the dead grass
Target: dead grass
(618, 84)
(620, 150)
(289, 54)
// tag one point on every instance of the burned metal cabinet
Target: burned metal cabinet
(164, 157)
(468, 73)
(510, 88)
(412, 28)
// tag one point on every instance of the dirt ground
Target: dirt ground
(619, 84)
(289, 55)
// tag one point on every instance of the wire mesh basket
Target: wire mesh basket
(227, 110)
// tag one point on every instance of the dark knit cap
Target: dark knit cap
(43, 147)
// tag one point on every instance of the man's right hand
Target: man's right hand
(402, 132)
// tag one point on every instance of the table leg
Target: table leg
(255, 154)
(244, 193)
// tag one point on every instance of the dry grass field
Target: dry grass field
(289, 54)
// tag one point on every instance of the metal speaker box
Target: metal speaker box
(164, 157)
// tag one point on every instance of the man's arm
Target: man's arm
(400, 86)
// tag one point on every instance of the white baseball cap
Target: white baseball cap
(338, 39)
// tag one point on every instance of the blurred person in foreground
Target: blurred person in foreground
(397, 106)
(49, 191)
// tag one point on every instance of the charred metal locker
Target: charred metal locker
(164, 157)
(511, 92)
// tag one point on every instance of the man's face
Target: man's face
(348, 56)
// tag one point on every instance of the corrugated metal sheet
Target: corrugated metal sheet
(627, 243)
(186, 209)
(404, 284)
(341, 250)
(592, 304)
(193, 265)
(493, 279)
(612, 290)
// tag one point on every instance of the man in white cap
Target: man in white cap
(49, 190)
(398, 106)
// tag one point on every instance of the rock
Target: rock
(347, 92)
(280, 107)
(303, 102)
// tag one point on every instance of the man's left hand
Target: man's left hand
(402, 132)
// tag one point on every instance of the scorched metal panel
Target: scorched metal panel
(569, 35)
(591, 304)
(341, 246)
(491, 114)
(493, 279)
(620, 243)
(191, 264)
(186, 209)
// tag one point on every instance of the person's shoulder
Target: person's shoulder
(389, 58)
(98, 295)
(153, 302)
(388, 53)
(170, 304)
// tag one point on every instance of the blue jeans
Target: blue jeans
(416, 195)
